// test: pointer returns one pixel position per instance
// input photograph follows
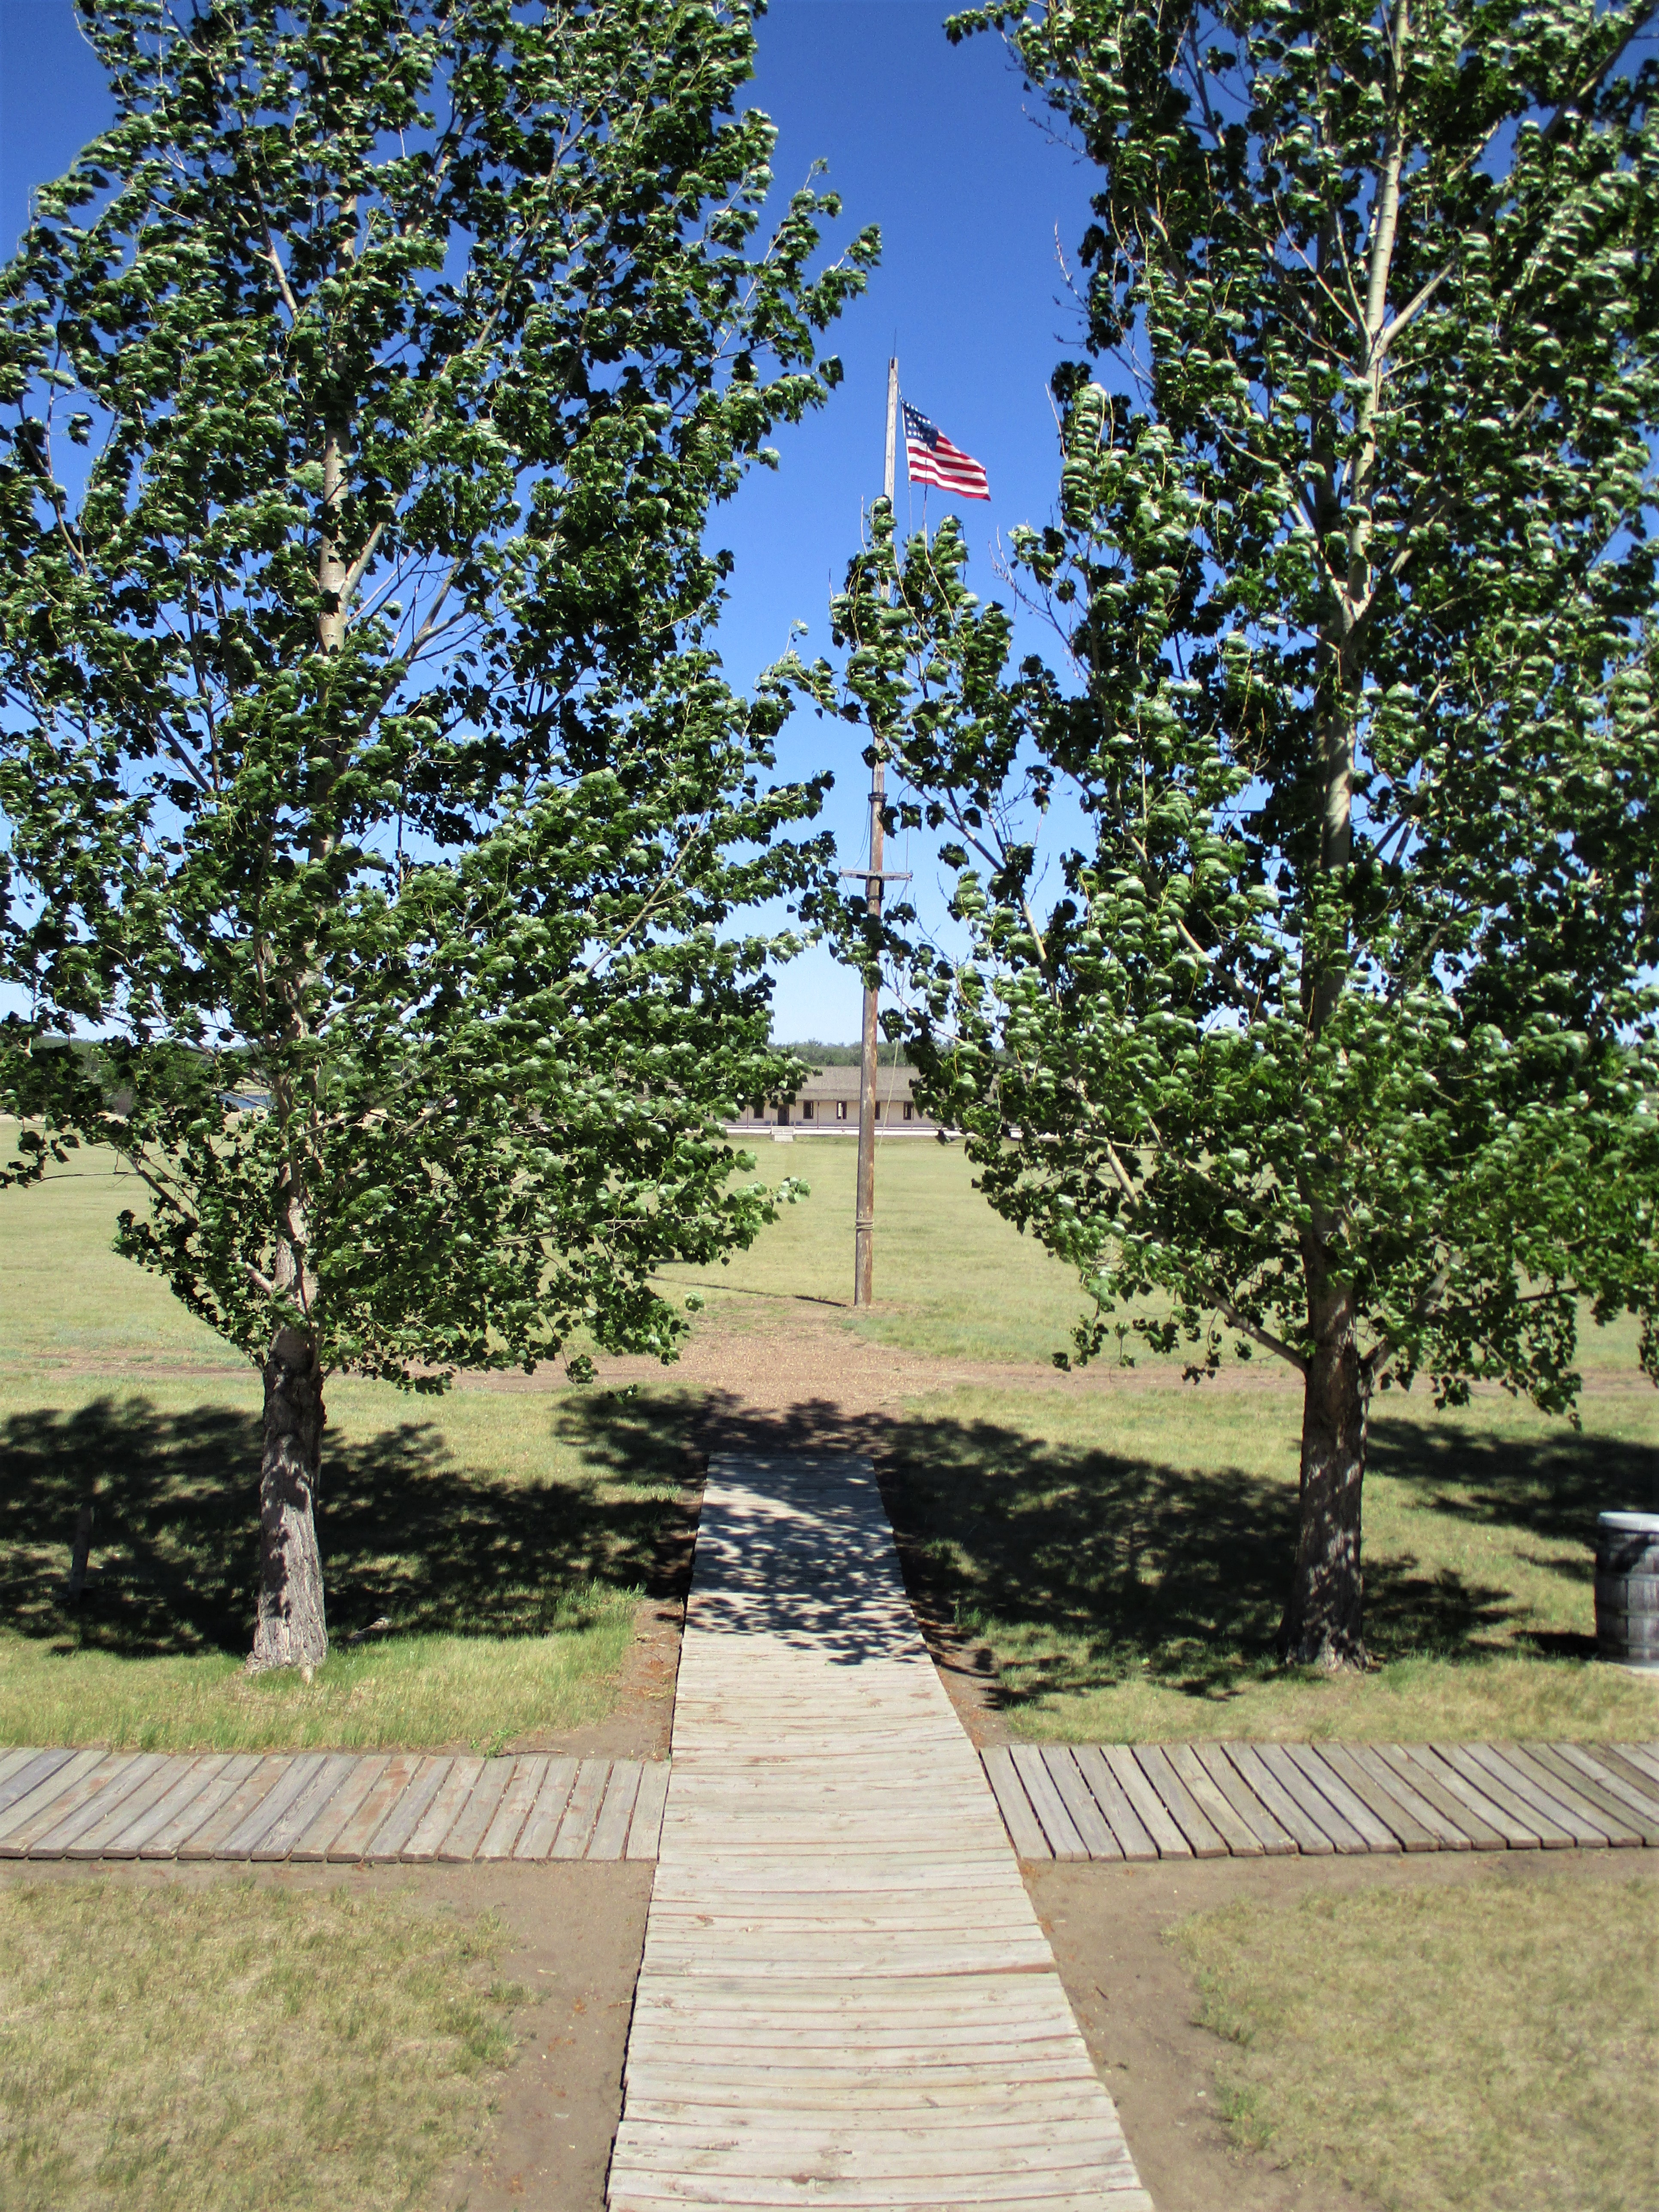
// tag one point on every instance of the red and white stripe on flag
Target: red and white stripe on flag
(931, 458)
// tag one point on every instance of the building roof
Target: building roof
(843, 1083)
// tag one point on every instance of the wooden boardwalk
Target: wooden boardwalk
(1108, 1802)
(1211, 1801)
(846, 1999)
(326, 1807)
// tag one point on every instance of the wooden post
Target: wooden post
(863, 1218)
(81, 1554)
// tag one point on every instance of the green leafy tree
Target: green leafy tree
(374, 797)
(1310, 882)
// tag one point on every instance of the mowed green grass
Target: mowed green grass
(953, 1280)
(1118, 1540)
(506, 1561)
(235, 2048)
(1489, 2046)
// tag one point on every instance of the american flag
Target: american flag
(931, 458)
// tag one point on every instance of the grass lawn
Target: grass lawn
(175, 2049)
(506, 1562)
(953, 1280)
(1120, 1541)
(1476, 2048)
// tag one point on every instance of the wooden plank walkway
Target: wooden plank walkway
(846, 1999)
(1119, 1800)
(1107, 1802)
(333, 1806)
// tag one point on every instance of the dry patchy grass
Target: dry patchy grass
(1479, 2048)
(236, 2048)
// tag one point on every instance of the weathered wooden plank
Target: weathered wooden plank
(1593, 1762)
(644, 1832)
(1624, 1826)
(624, 2194)
(1012, 2146)
(16, 1755)
(1495, 1757)
(611, 1829)
(1276, 1803)
(95, 1839)
(1228, 1824)
(37, 1785)
(536, 1840)
(580, 1814)
(1543, 1828)
(484, 1802)
(845, 1994)
(1023, 1825)
(408, 1810)
(1178, 1802)
(1087, 1818)
(634, 2186)
(518, 1802)
(27, 1771)
(1516, 1823)
(1272, 1838)
(1419, 1760)
(1563, 1785)
(181, 1828)
(1373, 1833)
(1064, 1841)
(1282, 1769)
(1128, 1832)
(969, 2000)
(143, 1822)
(1395, 1815)
(295, 1776)
(973, 2096)
(208, 1837)
(775, 2036)
(1430, 1781)
(1614, 1757)
(73, 1784)
(444, 1810)
(1449, 1834)
(1149, 1808)
(311, 1847)
(279, 1837)
(689, 2020)
(1644, 1757)
(117, 1783)
(352, 1841)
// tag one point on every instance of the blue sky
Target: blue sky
(941, 147)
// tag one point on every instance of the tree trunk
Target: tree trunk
(290, 1630)
(1324, 1624)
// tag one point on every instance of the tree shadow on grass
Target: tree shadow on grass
(1552, 1487)
(1102, 1568)
(407, 1535)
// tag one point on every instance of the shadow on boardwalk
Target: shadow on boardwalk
(407, 1535)
(1175, 1574)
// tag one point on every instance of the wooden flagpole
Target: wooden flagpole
(864, 1220)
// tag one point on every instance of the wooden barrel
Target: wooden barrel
(1627, 1588)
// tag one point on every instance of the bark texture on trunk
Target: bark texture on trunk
(1324, 1621)
(290, 1630)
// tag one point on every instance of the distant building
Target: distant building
(827, 1105)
